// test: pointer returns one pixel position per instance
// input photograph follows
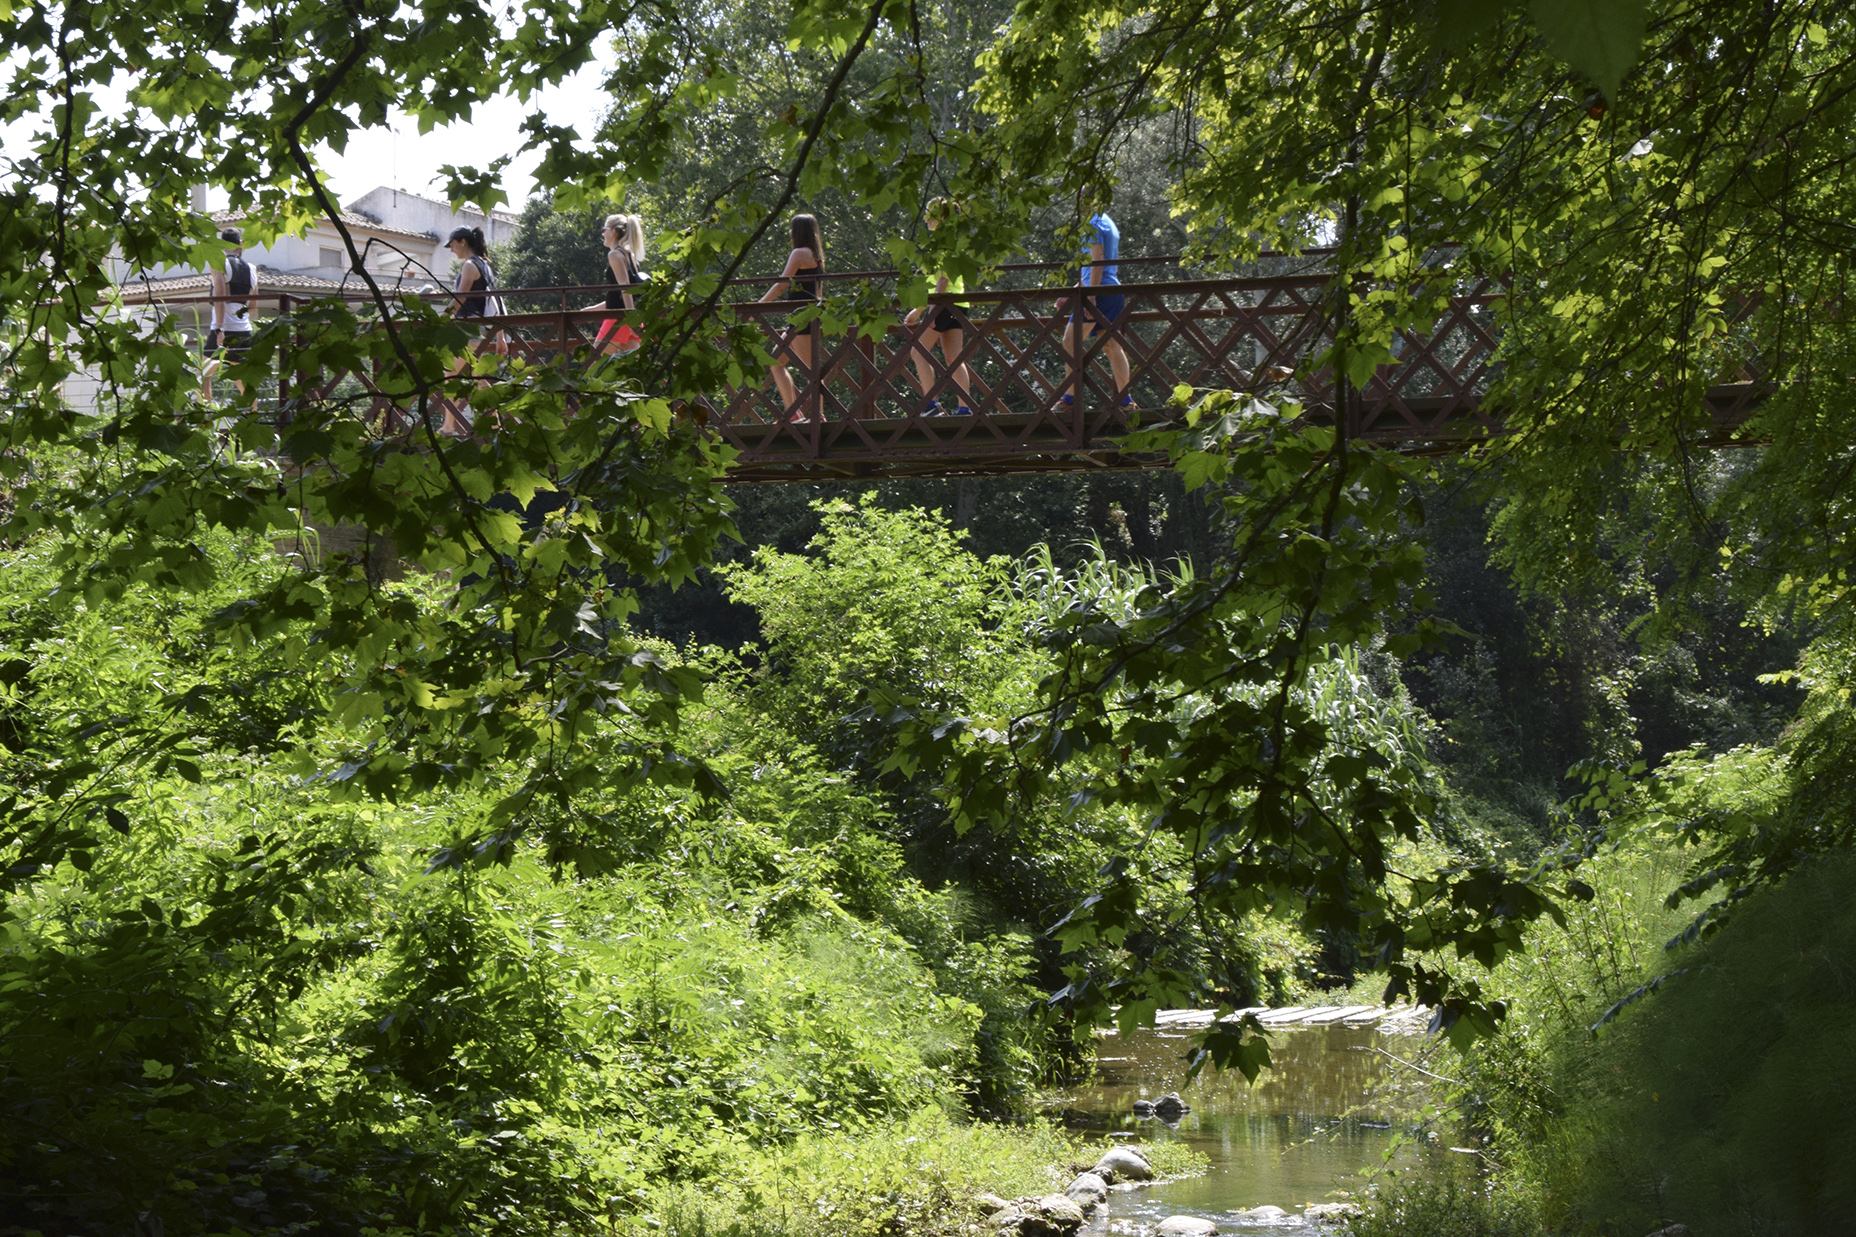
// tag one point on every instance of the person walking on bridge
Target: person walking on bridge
(624, 236)
(234, 288)
(947, 329)
(1100, 310)
(475, 302)
(797, 282)
(475, 278)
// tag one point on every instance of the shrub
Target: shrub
(916, 1177)
(1723, 1102)
(1448, 1205)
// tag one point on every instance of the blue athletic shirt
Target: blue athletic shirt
(1109, 237)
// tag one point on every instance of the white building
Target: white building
(400, 237)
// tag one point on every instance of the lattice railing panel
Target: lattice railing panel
(860, 408)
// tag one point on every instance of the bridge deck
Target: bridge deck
(864, 381)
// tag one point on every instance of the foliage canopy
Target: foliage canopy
(1685, 219)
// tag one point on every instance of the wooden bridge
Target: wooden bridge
(860, 412)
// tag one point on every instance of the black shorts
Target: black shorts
(950, 318)
(232, 345)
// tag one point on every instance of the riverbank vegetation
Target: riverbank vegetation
(602, 847)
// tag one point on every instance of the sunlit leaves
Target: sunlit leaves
(1220, 710)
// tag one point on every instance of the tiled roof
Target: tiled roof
(501, 216)
(270, 282)
(351, 218)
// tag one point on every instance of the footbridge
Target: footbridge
(882, 397)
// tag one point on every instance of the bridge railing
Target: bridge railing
(861, 408)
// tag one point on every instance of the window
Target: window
(334, 258)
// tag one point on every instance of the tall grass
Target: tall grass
(917, 1176)
(1724, 1102)
(1451, 1205)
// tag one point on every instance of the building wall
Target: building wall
(412, 213)
(397, 213)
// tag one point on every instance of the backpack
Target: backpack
(631, 268)
(238, 276)
(492, 305)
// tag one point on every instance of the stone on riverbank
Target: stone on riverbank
(1088, 1190)
(1330, 1213)
(991, 1204)
(1053, 1215)
(1123, 1164)
(1186, 1226)
(1265, 1212)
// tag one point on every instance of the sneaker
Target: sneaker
(1127, 401)
(932, 408)
(962, 410)
(1068, 401)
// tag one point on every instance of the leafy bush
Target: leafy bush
(1447, 1205)
(1723, 1102)
(918, 1177)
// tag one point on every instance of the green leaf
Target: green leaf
(1599, 38)
(1460, 21)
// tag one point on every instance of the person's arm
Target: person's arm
(1096, 257)
(251, 300)
(467, 279)
(217, 281)
(785, 281)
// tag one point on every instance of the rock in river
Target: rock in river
(1170, 1106)
(1088, 1190)
(1330, 1213)
(1123, 1164)
(1186, 1226)
(1054, 1215)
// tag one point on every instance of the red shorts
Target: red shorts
(623, 336)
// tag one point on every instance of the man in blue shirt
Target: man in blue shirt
(1099, 311)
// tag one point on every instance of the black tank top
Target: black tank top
(615, 299)
(473, 306)
(804, 289)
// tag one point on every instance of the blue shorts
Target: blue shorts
(1102, 310)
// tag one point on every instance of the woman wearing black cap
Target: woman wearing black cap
(474, 276)
(476, 283)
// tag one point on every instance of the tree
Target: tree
(1676, 227)
(530, 660)
(1637, 223)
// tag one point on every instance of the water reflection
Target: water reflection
(1301, 1135)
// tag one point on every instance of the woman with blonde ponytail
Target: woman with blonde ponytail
(624, 237)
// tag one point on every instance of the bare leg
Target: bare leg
(1072, 382)
(802, 352)
(783, 382)
(923, 358)
(951, 344)
(451, 422)
(1117, 364)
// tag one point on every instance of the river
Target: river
(1309, 1131)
